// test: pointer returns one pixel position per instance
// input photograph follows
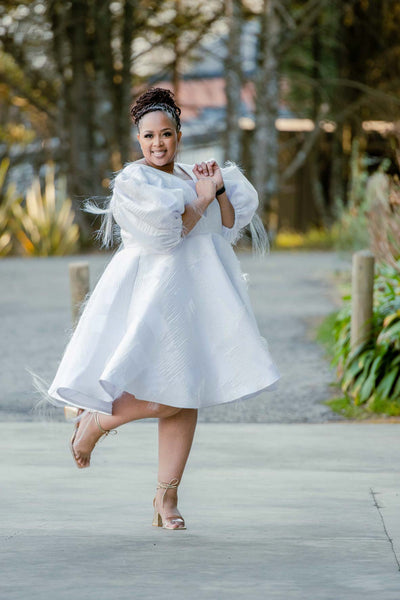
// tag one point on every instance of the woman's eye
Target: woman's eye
(150, 135)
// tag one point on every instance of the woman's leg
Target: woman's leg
(126, 408)
(175, 437)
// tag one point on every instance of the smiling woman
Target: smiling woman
(169, 327)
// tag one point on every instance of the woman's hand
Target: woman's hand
(209, 169)
(206, 189)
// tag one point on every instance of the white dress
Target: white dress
(170, 319)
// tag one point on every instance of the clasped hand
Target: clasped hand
(209, 179)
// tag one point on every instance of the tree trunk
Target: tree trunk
(233, 82)
(265, 142)
(103, 65)
(81, 175)
(58, 19)
(124, 86)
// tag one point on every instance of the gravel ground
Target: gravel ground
(291, 292)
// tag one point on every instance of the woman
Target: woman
(169, 327)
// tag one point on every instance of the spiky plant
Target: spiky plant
(45, 222)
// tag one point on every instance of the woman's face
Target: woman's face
(158, 140)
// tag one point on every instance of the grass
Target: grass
(344, 406)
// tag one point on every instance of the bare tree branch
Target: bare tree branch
(310, 14)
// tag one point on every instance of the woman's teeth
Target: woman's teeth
(159, 154)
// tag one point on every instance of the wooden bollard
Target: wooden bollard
(362, 297)
(79, 282)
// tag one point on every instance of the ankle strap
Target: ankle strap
(105, 431)
(170, 485)
(173, 484)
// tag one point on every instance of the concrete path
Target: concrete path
(290, 292)
(290, 512)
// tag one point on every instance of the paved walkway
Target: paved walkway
(290, 292)
(290, 512)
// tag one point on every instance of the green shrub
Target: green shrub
(370, 375)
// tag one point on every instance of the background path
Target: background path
(290, 292)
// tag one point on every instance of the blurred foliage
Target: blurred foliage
(41, 224)
(350, 230)
(313, 239)
(370, 376)
(383, 198)
(8, 197)
(350, 60)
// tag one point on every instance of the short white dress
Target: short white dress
(170, 319)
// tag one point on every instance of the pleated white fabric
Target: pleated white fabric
(170, 319)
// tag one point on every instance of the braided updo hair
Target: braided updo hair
(156, 99)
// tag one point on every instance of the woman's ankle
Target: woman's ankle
(167, 497)
(107, 422)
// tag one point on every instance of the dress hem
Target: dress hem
(102, 406)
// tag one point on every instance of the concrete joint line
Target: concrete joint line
(378, 508)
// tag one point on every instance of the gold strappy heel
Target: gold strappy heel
(157, 520)
(79, 412)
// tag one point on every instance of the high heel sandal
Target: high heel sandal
(157, 520)
(78, 412)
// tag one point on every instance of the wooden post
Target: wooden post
(79, 282)
(362, 297)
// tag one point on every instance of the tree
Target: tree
(282, 26)
(76, 63)
(233, 80)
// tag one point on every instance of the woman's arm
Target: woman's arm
(193, 212)
(211, 169)
(227, 210)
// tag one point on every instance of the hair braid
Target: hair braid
(153, 99)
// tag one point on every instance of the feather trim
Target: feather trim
(259, 236)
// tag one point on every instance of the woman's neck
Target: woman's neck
(176, 169)
(169, 168)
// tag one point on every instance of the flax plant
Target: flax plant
(45, 223)
(370, 375)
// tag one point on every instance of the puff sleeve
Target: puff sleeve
(244, 199)
(148, 212)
